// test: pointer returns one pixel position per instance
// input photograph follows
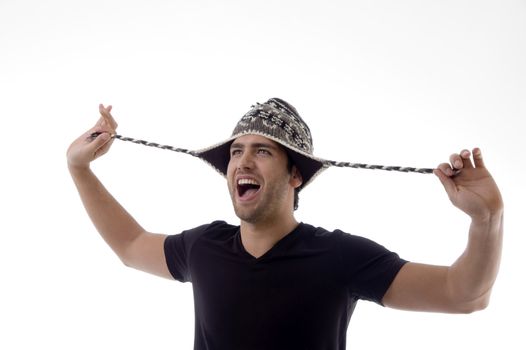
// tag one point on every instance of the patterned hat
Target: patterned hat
(278, 121)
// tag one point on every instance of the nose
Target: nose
(245, 161)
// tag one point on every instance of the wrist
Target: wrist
(78, 169)
(490, 222)
(490, 215)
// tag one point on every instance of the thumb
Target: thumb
(99, 142)
(449, 185)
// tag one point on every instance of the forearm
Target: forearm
(116, 226)
(472, 276)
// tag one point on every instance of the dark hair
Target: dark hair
(290, 164)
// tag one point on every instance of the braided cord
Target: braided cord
(147, 143)
(156, 145)
(326, 163)
(379, 167)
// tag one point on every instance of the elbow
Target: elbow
(478, 304)
(469, 309)
(125, 254)
(124, 257)
(125, 260)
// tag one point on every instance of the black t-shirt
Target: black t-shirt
(298, 295)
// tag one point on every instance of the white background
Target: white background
(383, 82)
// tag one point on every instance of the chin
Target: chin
(251, 216)
(243, 215)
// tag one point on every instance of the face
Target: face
(260, 185)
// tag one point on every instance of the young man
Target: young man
(274, 283)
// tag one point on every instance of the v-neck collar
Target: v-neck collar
(276, 248)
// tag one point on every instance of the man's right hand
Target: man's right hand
(135, 246)
(86, 148)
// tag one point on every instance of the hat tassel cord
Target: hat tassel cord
(326, 163)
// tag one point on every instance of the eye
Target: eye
(235, 152)
(264, 151)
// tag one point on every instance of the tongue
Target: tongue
(250, 192)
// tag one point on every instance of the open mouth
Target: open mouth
(246, 188)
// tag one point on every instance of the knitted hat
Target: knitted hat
(278, 121)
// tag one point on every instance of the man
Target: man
(274, 283)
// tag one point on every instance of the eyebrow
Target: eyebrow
(253, 145)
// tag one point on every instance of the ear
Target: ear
(296, 179)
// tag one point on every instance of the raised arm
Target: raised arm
(135, 246)
(466, 285)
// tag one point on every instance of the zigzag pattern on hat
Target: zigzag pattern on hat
(277, 121)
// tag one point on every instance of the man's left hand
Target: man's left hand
(469, 185)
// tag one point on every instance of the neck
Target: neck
(259, 237)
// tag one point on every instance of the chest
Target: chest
(286, 284)
(291, 297)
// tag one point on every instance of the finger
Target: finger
(445, 168)
(456, 161)
(103, 149)
(96, 146)
(98, 129)
(94, 135)
(111, 120)
(447, 182)
(96, 140)
(105, 113)
(102, 123)
(466, 158)
(103, 146)
(477, 158)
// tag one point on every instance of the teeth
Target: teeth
(247, 182)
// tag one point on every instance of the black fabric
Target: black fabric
(299, 295)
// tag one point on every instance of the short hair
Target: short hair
(290, 165)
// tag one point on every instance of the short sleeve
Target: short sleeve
(369, 268)
(177, 249)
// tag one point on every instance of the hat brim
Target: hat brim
(218, 157)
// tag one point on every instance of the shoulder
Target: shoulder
(214, 229)
(212, 226)
(179, 247)
(314, 231)
(321, 237)
(320, 233)
(343, 241)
